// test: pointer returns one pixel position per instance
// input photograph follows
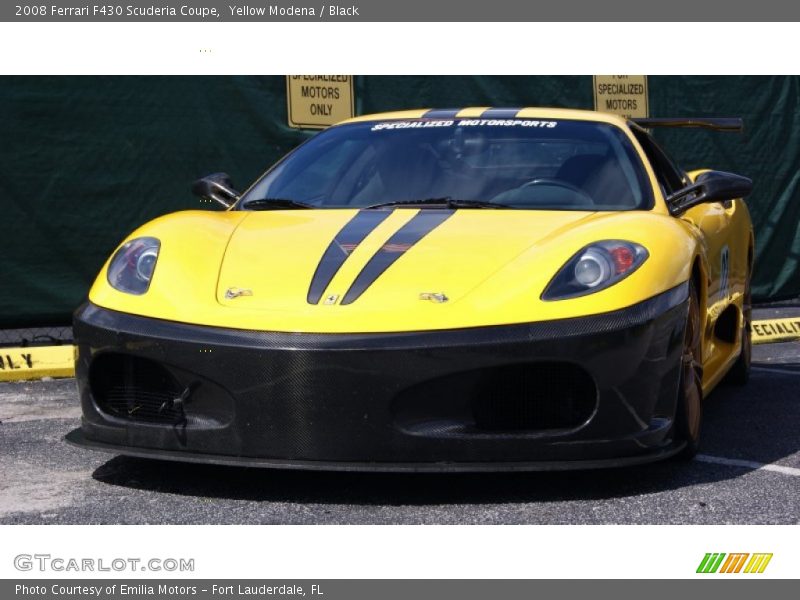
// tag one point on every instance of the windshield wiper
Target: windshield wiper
(446, 201)
(274, 204)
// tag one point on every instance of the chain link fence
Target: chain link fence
(36, 336)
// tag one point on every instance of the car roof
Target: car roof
(488, 112)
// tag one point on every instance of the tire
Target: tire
(740, 371)
(689, 409)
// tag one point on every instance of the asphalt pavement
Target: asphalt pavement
(748, 472)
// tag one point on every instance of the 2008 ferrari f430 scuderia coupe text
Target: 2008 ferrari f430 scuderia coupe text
(474, 289)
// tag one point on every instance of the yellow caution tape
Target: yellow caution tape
(37, 362)
(776, 330)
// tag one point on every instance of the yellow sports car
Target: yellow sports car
(467, 289)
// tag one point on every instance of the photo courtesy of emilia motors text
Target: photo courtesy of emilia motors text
(399, 300)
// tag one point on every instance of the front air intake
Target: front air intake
(135, 389)
(537, 396)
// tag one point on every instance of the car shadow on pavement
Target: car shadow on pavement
(753, 423)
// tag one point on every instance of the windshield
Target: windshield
(513, 163)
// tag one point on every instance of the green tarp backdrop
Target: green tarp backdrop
(85, 160)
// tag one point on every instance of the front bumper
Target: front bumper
(394, 402)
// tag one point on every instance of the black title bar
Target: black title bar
(399, 11)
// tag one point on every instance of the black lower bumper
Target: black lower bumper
(579, 393)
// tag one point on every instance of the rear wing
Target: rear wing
(714, 123)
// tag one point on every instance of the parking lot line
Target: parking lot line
(747, 464)
(773, 370)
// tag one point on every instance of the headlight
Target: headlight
(132, 267)
(594, 268)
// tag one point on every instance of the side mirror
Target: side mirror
(711, 186)
(217, 187)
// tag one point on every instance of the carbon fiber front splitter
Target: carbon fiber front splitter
(76, 438)
(389, 402)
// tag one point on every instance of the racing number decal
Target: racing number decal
(723, 272)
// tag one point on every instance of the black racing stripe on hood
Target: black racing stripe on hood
(418, 227)
(500, 113)
(343, 244)
(441, 113)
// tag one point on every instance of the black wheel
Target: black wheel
(740, 371)
(689, 410)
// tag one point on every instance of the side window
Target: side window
(670, 178)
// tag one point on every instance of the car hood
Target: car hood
(336, 271)
(373, 259)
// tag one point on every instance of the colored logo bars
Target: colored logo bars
(734, 563)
